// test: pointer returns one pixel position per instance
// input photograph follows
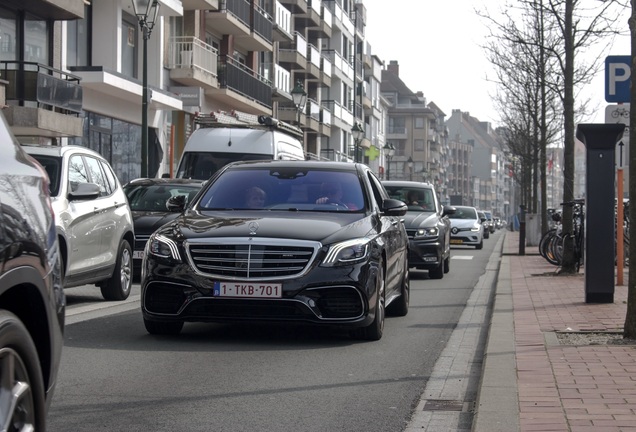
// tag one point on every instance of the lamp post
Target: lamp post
(409, 163)
(358, 133)
(299, 96)
(147, 12)
(389, 151)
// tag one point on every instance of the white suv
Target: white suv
(93, 220)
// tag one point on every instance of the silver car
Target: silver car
(92, 217)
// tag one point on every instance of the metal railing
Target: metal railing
(42, 86)
(243, 80)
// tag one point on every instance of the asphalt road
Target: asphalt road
(116, 377)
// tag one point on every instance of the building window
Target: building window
(78, 40)
(36, 40)
(8, 35)
(419, 122)
(419, 145)
(129, 45)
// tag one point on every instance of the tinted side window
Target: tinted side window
(379, 193)
(76, 172)
(97, 176)
(111, 180)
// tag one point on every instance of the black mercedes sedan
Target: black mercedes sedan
(148, 198)
(427, 225)
(281, 241)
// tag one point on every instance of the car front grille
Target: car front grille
(260, 259)
(340, 303)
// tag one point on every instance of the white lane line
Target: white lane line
(462, 257)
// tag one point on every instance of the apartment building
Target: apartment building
(413, 129)
(201, 56)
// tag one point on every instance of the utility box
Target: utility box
(600, 141)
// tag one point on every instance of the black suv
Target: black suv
(427, 226)
(31, 296)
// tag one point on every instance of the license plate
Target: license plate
(138, 254)
(248, 290)
(457, 241)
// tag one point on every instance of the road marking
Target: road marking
(462, 257)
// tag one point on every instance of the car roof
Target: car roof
(165, 181)
(309, 164)
(405, 183)
(59, 151)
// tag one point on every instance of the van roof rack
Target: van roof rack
(245, 120)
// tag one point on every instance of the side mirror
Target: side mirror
(448, 210)
(84, 191)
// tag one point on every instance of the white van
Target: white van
(224, 138)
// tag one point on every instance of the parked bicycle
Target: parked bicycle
(551, 243)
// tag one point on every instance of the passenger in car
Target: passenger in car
(255, 198)
(330, 193)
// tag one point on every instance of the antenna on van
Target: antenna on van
(245, 120)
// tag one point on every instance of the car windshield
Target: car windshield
(52, 165)
(294, 188)
(418, 199)
(154, 197)
(464, 213)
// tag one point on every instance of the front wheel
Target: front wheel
(373, 332)
(447, 264)
(21, 383)
(437, 272)
(119, 285)
(480, 245)
(400, 306)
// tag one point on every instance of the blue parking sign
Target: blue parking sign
(617, 78)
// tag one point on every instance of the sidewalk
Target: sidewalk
(532, 379)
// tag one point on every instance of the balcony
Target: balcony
(396, 132)
(323, 29)
(192, 62)
(313, 65)
(282, 24)
(294, 57)
(200, 4)
(242, 88)
(341, 67)
(55, 10)
(42, 101)
(325, 71)
(296, 6)
(252, 28)
(312, 16)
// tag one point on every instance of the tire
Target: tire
(400, 307)
(545, 239)
(23, 404)
(447, 264)
(437, 272)
(119, 285)
(374, 331)
(163, 327)
(480, 245)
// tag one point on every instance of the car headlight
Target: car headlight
(476, 227)
(427, 232)
(346, 252)
(162, 247)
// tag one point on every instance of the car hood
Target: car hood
(311, 226)
(419, 220)
(463, 223)
(147, 222)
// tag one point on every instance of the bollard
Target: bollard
(522, 229)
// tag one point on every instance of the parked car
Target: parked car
(281, 241)
(498, 223)
(427, 226)
(32, 301)
(491, 221)
(485, 223)
(93, 220)
(466, 227)
(148, 198)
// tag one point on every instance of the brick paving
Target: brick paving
(573, 388)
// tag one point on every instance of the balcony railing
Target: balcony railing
(263, 24)
(190, 52)
(239, 8)
(241, 79)
(35, 84)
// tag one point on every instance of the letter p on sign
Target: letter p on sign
(617, 78)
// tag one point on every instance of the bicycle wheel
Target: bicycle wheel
(545, 239)
(554, 250)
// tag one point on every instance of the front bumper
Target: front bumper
(425, 254)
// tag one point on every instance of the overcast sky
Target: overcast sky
(437, 44)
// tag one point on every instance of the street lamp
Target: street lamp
(147, 12)
(409, 163)
(358, 133)
(299, 96)
(389, 151)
